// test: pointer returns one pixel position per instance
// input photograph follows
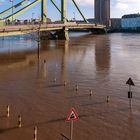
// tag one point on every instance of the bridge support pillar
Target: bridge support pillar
(43, 11)
(63, 34)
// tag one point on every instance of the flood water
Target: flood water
(34, 88)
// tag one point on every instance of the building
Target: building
(102, 11)
(115, 23)
(131, 21)
(91, 20)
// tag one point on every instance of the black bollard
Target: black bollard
(65, 83)
(44, 61)
(107, 99)
(54, 80)
(90, 92)
(77, 88)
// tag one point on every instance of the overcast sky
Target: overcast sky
(118, 8)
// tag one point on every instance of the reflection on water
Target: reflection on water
(34, 86)
(102, 53)
(9, 44)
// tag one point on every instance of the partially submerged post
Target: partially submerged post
(45, 69)
(54, 80)
(107, 99)
(65, 83)
(130, 83)
(19, 121)
(77, 87)
(8, 110)
(90, 92)
(35, 133)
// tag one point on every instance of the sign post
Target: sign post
(71, 130)
(130, 83)
(72, 116)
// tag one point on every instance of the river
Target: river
(32, 85)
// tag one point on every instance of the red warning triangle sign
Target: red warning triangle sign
(72, 115)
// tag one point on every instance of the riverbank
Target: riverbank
(123, 31)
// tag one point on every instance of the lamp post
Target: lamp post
(12, 9)
(32, 20)
(32, 16)
(74, 16)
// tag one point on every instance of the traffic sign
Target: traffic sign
(130, 82)
(130, 94)
(72, 115)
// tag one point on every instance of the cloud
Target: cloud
(129, 1)
(122, 6)
(127, 4)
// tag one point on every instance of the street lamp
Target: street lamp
(74, 16)
(32, 16)
(12, 9)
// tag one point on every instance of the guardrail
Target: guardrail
(28, 28)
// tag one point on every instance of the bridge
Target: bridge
(63, 26)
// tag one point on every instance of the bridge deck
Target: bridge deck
(25, 29)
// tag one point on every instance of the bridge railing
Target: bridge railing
(37, 22)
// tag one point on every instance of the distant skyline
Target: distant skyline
(118, 9)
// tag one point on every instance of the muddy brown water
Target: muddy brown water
(34, 89)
